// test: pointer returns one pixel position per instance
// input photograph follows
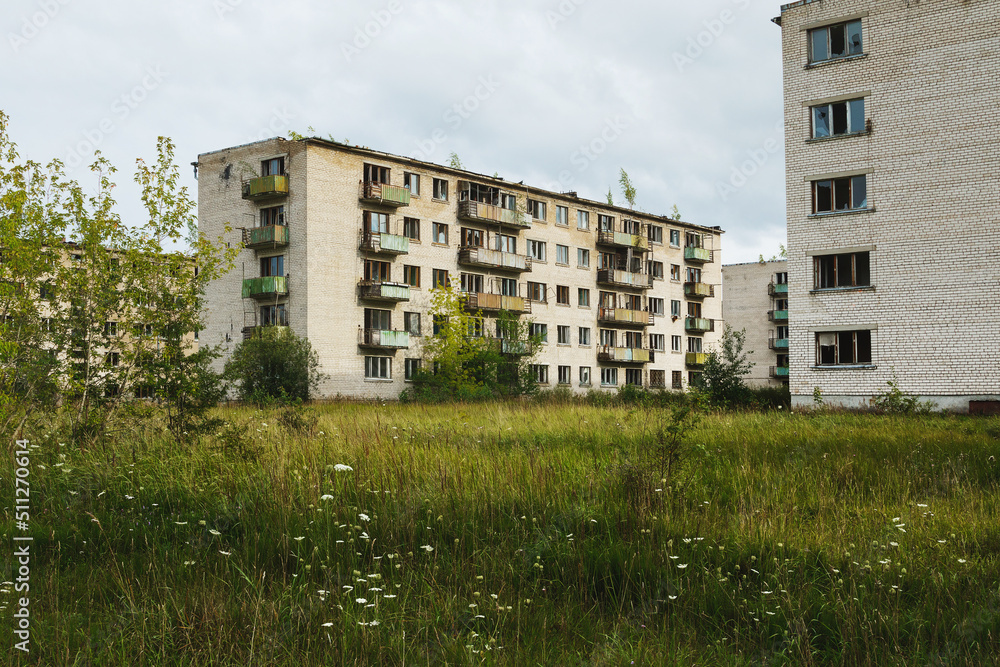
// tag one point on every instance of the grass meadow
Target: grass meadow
(510, 534)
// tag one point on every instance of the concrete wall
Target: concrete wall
(745, 304)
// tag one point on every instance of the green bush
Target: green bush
(274, 367)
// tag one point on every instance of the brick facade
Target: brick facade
(752, 298)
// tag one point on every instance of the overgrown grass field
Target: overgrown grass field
(515, 535)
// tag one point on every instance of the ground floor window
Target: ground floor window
(633, 376)
(584, 376)
(378, 368)
(677, 379)
(843, 348)
(609, 377)
(410, 368)
(564, 375)
(540, 373)
(658, 379)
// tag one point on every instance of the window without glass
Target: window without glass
(508, 286)
(694, 344)
(410, 368)
(656, 268)
(378, 368)
(583, 220)
(584, 335)
(840, 194)
(378, 319)
(411, 323)
(657, 342)
(693, 275)
(472, 282)
(536, 250)
(562, 254)
(440, 189)
(584, 376)
(847, 270)
(633, 339)
(835, 41)
(506, 243)
(562, 295)
(272, 216)
(412, 183)
(376, 174)
(609, 377)
(536, 209)
(605, 223)
(411, 228)
(440, 233)
(273, 167)
(841, 348)
(633, 376)
(562, 215)
(836, 118)
(675, 272)
(609, 337)
(655, 234)
(781, 278)
(540, 373)
(273, 316)
(675, 308)
(272, 266)
(675, 238)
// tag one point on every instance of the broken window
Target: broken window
(633, 376)
(472, 238)
(412, 183)
(608, 337)
(506, 243)
(842, 348)
(633, 339)
(840, 194)
(378, 319)
(605, 223)
(507, 286)
(376, 174)
(536, 209)
(836, 118)
(694, 344)
(562, 294)
(411, 228)
(273, 316)
(846, 270)
(694, 309)
(440, 189)
(472, 282)
(272, 216)
(835, 41)
(273, 167)
(537, 292)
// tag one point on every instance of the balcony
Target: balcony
(384, 339)
(777, 315)
(698, 290)
(265, 187)
(494, 259)
(624, 355)
(373, 290)
(268, 287)
(258, 332)
(516, 348)
(778, 343)
(496, 302)
(696, 359)
(383, 194)
(779, 372)
(776, 289)
(698, 325)
(618, 278)
(389, 244)
(624, 317)
(488, 213)
(622, 240)
(698, 255)
(271, 236)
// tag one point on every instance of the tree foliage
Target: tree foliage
(274, 366)
(721, 379)
(628, 190)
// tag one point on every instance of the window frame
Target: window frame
(411, 228)
(384, 364)
(439, 189)
(411, 275)
(849, 119)
(436, 229)
(857, 269)
(835, 188)
(562, 254)
(583, 336)
(409, 179)
(812, 34)
(856, 360)
(562, 215)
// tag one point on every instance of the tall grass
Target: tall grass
(511, 534)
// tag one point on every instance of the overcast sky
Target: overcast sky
(686, 96)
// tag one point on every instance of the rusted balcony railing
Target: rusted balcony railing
(622, 240)
(383, 194)
(618, 278)
(390, 244)
(270, 236)
(265, 187)
(624, 316)
(624, 355)
(374, 290)
(699, 290)
(496, 302)
(479, 212)
(494, 259)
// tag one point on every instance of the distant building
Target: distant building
(892, 156)
(344, 244)
(755, 299)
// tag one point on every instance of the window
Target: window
(508, 286)
(541, 331)
(411, 228)
(376, 223)
(675, 272)
(658, 379)
(633, 339)
(410, 368)
(506, 243)
(472, 238)
(471, 282)
(606, 260)
(376, 271)
(411, 323)
(583, 258)
(843, 348)
(693, 275)
(110, 329)
(437, 325)
(562, 295)
(675, 343)
(412, 183)
(272, 216)
(584, 336)
(675, 308)
(676, 379)
(537, 292)
(562, 335)
(440, 233)
(476, 327)
(562, 254)
(536, 209)
(605, 223)
(112, 359)
(633, 376)
(378, 319)
(609, 377)
(376, 174)
(835, 41)
(632, 227)
(847, 270)
(655, 234)
(564, 375)
(694, 309)
(562, 216)
(694, 344)
(440, 278)
(540, 372)
(583, 297)
(836, 118)
(440, 189)
(272, 266)
(656, 306)
(45, 291)
(378, 368)
(145, 391)
(411, 275)
(840, 194)
(536, 250)
(273, 316)
(583, 220)
(273, 167)
(675, 238)
(608, 338)
(657, 342)
(584, 376)
(781, 278)
(692, 240)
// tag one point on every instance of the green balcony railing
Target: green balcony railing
(616, 278)
(271, 236)
(696, 358)
(622, 240)
(384, 338)
(266, 287)
(387, 243)
(777, 315)
(479, 212)
(624, 316)
(384, 194)
(777, 289)
(379, 291)
(699, 290)
(780, 372)
(698, 254)
(265, 186)
(625, 355)
(777, 343)
(699, 324)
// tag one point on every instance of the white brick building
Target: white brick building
(755, 299)
(343, 244)
(893, 151)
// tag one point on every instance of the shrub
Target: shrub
(274, 367)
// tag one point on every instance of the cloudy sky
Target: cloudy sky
(686, 96)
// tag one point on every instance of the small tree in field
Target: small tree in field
(274, 366)
(721, 380)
